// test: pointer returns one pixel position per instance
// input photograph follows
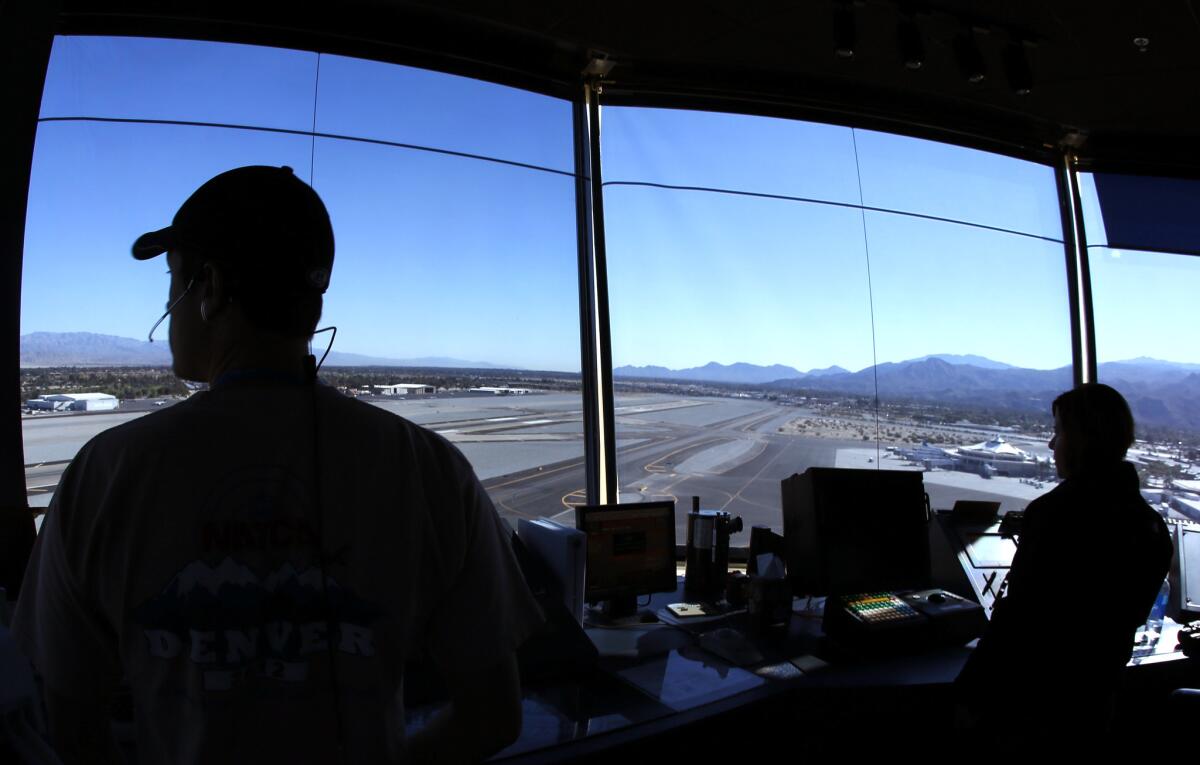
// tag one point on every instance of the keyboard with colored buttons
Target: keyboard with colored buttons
(880, 609)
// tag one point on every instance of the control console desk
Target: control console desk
(670, 696)
(669, 688)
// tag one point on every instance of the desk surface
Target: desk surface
(672, 681)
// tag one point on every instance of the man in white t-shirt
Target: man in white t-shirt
(259, 561)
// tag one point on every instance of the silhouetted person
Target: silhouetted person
(1091, 558)
(260, 560)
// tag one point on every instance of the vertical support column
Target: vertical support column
(1079, 281)
(595, 344)
(26, 35)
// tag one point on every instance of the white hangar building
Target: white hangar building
(74, 402)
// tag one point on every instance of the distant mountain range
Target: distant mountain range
(718, 373)
(1159, 392)
(71, 349)
(758, 375)
(86, 349)
(975, 361)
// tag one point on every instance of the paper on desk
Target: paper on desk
(616, 642)
(683, 680)
(666, 617)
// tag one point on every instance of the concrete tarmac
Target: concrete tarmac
(528, 451)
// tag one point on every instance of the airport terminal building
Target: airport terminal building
(73, 402)
(996, 456)
(993, 457)
(404, 389)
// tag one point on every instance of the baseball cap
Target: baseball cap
(264, 223)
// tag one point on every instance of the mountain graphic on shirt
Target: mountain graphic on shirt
(231, 595)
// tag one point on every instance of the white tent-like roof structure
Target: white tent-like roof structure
(996, 448)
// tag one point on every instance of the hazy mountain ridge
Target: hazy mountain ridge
(62, 349)
(1146, 361)
(971, 359)
(338, 359)
(1159, 392)
(88, 349)
(1163, 401)
(832, 370)
(738, 372)
(713, 372)
(936, 378)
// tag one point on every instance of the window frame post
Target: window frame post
(595, 341)
(1079, 282)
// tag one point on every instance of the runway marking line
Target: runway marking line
(650, 467)
(515, 512)
(582, 493)
(538, 474)
(755, 423)
(771, 462)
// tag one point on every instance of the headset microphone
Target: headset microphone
(311, 367)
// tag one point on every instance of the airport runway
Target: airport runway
(733, 463)
(528, 451)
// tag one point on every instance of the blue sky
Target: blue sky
(449, 256)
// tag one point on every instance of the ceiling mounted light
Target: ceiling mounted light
(970, 60)
(844, 32)
(599, 64)
(912, 48)
(1016, 69)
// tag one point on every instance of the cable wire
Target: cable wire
(312, 154)
(328, 348)
(314, 134)
(870, 290)
(831, 203)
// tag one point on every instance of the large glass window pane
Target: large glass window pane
(94, 189)
(1093, 219)
(724, 307)
(733, 151)
(755, 337)
(465, 272)
(142, 78)
(1142, 302)
(940, 180)
(405, 105)
(972, 330)
(1146, 348)
(454, 289)
(86, 304)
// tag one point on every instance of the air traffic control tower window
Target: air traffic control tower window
(1143, 304)
(455, 286)
(730, 290)
(786, 294)
(971, 315)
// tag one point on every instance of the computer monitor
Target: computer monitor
(851, 531)
(1187, 558)
(630, 552)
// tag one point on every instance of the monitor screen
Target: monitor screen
(630, 549)
(851, 531)
(1188, 551)
(989, 550)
